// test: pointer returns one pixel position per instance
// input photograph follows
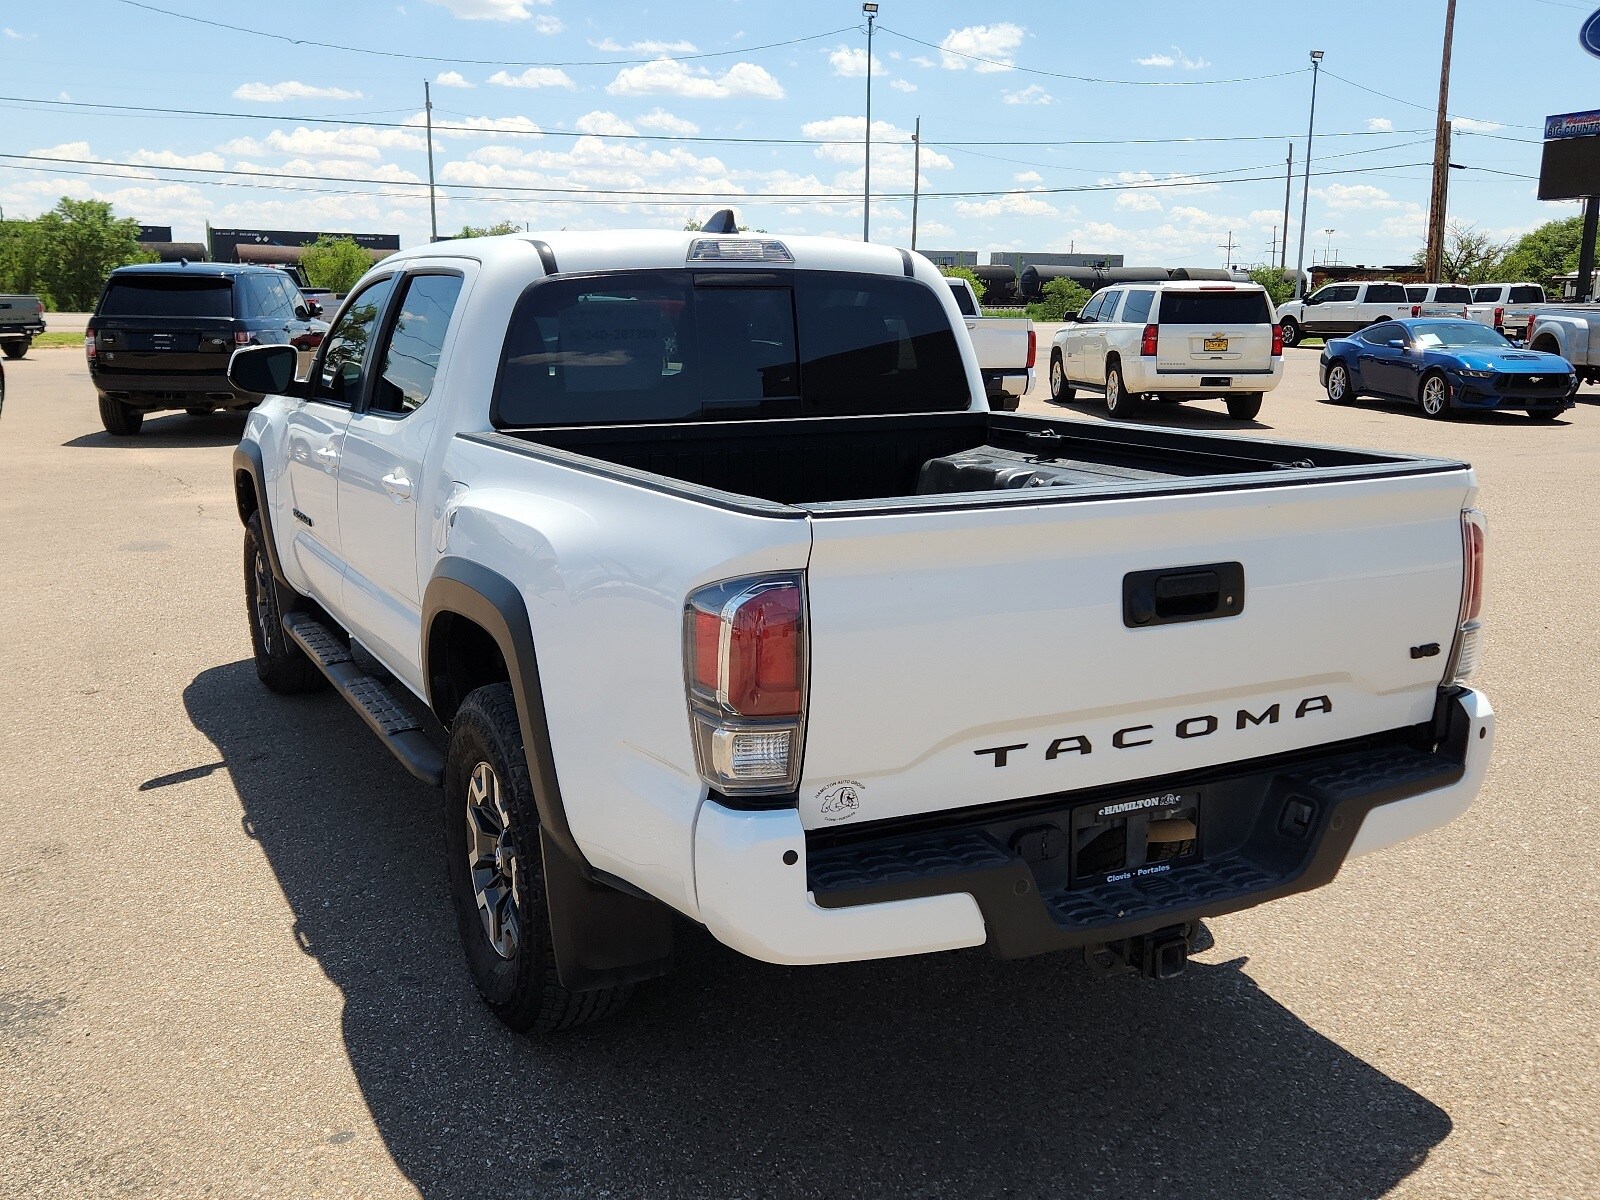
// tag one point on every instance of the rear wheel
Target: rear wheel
(1245, 406)
(1117, 399)
(1060, 389)
(1435, 396)
(1291, 331)
(491, 834)
(118, 418)
(18, 348)
(1338, 384)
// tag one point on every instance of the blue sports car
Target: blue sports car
(1445, 366)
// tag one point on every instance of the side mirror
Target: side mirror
(302, 312)
(1312, 300)
(263, 370)
(313, 309)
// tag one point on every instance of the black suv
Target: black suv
(162, 334)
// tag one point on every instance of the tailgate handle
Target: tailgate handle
(1176, 594)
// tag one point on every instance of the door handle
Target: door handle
(397, 485)
(1168, 597)
(327, 454)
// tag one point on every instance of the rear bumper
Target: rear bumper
(990, 879)
(1017, 382)
(26, 330)
(1140, 376)
(169, 391)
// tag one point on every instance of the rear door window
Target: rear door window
(411, 359)
(167, 296)
(682, 346)
(1214, 308)
(1526, 295)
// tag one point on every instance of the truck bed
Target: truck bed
(863, 463)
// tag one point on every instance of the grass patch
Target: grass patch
(54, 341)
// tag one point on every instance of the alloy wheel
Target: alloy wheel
(494, 861)
(1433, 395)
(1338, 383)
(262, 573)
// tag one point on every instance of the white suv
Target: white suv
(1171, 341)
(1336, 309)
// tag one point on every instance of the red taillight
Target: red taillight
(38, 307)
(1033, 347)
(1499, 318)
(1472, 529)
(764, 655)
(241, 337)
(1147, 342)
(1416, 310)
(705, 637)
(88, 345)
(1277, 341)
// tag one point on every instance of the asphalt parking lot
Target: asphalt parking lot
(230, 966)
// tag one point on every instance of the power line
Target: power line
(1010, 66)
(1361, 87)
(476, 62)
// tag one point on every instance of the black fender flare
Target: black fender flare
(247, 460)
(604, 933)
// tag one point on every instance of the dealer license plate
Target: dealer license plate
(1217, 343)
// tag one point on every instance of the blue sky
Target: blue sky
(553, 89)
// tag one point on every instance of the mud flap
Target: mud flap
(602, 937)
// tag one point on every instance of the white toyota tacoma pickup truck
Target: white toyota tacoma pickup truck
(696, 571)
(1006, 348)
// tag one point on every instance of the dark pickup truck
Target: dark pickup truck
(21, 320)
(162, 334)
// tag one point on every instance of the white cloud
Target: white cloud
(902, 85)
(1355, 195)
(1028, 177)
(19, 37)
(1012, 203)
(1469, 125)
(548, 24)
(290, 89)
(994, 43)
(453, 79)
(851, 62)
(64, 150)
(602, 122)
(166, 158)
(922, 60)
(1032, 94)
(533, 77)
(1138, 202)
(472, 127)
(647, 47)
(335, 142)
(1380, 125)
(667, 77)
(489, 10)
(1176, 59)
(661, 120)
(1174, 182)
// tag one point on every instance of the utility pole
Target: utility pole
(1439, 196)
(916, 176)
(1288, 184)
(1227, 248)
(866, 178)
(1305, 191)
(433, 211)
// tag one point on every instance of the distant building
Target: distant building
(951, 258)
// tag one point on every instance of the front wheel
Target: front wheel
(119, 418)
(18, 348)
(1338, 384)
(496, 866)
(1245, 406)
(1292, 333)
(1435, 396)
(280, 663)
(1117, 399)
(1060, 389)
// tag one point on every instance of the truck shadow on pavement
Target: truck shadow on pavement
(953, 1074)
(170, 431)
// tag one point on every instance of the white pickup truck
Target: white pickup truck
(696, 570)
(1573, 332)
(1506, 307)
(1006, 348)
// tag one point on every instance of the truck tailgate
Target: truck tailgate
(970, 654)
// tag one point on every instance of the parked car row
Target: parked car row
(1340, 309)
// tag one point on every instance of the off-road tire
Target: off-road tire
(280, 663)
(1244, 406)
(118, 418)
(523, 990)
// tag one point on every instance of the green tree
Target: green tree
(65, 255)
(336, 263)
(1061, 296)
(1470, 255)
(1539, 256)
(1279, 284)
(969, 275)
(496, 230)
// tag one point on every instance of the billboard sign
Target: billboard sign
(1571, 125)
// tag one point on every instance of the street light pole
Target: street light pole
(916, 177)
(866, 179)
(433, 211)
(1305, 191)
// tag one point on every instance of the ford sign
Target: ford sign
(1589, 35)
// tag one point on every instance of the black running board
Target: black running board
(394, 725)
